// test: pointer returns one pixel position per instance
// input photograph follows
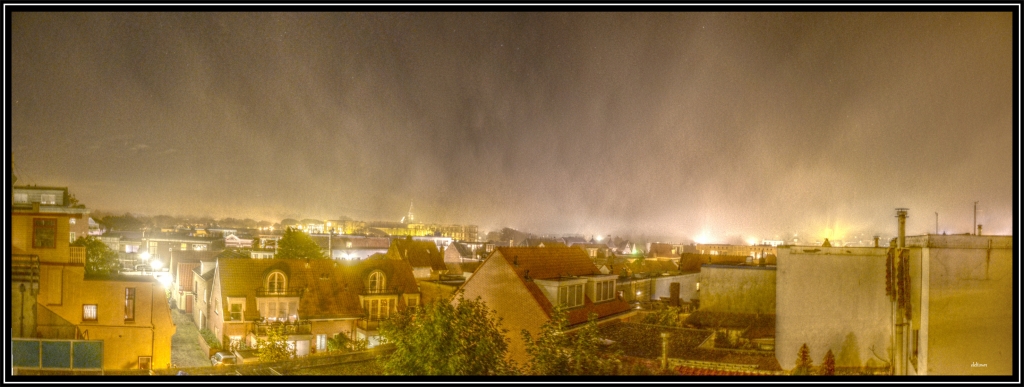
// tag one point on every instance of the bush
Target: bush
(210, 338)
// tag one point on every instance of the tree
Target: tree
(828, 366)
(299, 245)
(99, 259)
(342, 343)
(557, 352)
(803, 361)
(463, 337)
(665, 316)
(275, 347)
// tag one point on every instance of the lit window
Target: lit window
(199, 247)
(377, 282)
(377, 309)
(184, 246)
(89, 312)
(72, 236)
(129, 304)
(321, 342)
(145, 362)
(236, 311)
(47, 199)
(570, 296)
(72, 220)
(276, 283)
(43, 233)
(21, 198)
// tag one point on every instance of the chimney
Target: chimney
(901, 214)
(979, 229)
(876, 240)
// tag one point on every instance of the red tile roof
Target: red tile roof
(661, 250)
(552, 263)
(330, 289)
(417, 253)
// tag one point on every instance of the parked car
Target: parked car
(222, 358)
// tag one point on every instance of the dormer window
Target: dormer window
(604, 291)
(49, 199)
(377, 283)
(276, 283)
(570, 296)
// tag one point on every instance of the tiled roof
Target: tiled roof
(417, 253)
(464, 251)
(661, 250)
(535, 242)
(462, 267)
(330, 289)
(572, 241)
(185, 274)
(552, 263)
(629, 266)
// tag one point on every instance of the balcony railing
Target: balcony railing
(264, 292)
(290, 328)
(77, 255)
(368, 325)
(380, 291)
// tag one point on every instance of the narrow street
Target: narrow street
(185, 350)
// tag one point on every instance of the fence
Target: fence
(57, 355)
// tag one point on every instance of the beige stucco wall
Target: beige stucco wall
(21, 236)
(498, 286)
(968, 313)
(123, 341)
(831, 299)
(737, 289)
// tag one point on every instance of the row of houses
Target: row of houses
(926, 305)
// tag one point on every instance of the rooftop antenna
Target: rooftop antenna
(975, 217)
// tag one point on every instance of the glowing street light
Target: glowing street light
(156, 264)
(144, 256)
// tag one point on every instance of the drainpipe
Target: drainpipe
(899, 317)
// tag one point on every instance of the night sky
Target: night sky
(675, 125)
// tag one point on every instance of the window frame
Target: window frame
(376, 282)
(279, 286)
(48, 199)
(129, 304)
(604, 291)
(43, 224)
(148, 362)
(574, 291)
(240, 312)
(85, 312)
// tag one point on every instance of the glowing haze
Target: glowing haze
(681, 125)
